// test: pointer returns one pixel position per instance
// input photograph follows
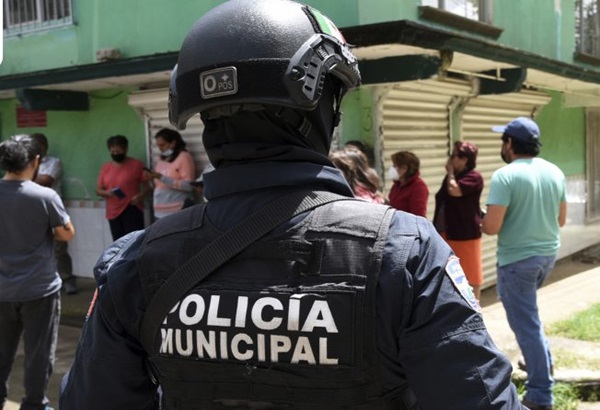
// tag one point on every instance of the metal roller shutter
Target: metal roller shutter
(415, 117)
(154, 106)
(478, 117)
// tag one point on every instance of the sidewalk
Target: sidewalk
(572, 287)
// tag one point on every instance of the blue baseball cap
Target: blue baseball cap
(522, 129)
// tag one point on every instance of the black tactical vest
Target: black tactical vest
(289, 323)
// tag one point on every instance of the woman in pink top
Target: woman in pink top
(363, 179)
(121, 183)
(173, 172)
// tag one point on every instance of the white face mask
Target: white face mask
(167, 153)
(392, 174)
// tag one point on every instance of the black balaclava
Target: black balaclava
(257, 136)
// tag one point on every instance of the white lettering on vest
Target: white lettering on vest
(224, 352)
(279, 344)
(320, 308)
(167, 341)
(241, 311)
(188, 343)
(294, 313)
(206, 346)
(303, 351)
(235, 347)
(198, 304)
(213, 310)
(323, 359)
(240, 345)
(257, 309)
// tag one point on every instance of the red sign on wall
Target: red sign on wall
(29, 118)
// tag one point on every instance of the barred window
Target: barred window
(479, 10)
(23, 16)
(587, 24)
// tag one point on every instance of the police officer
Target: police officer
(347, 305)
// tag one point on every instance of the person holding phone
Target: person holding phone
(174, 171)
(121, 182)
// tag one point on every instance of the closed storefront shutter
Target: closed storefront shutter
(479, 116)
(415, 117)
(154, 106)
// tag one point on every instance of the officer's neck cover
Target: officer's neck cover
(251, 136)
(266, 72)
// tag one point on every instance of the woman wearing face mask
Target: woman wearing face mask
(121, 183)
(409, 192)
(173, 173)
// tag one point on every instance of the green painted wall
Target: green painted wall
(563, 136)
(135, 27)
(552, 35)
(358, 122)
(79, 138)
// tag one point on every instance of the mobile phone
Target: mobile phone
(118, 192)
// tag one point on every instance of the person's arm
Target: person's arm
(49, 171)
(101, 189)
(186, 173)
(139, 197)
(65, 232)
(110, 367)
(493, 220)
(451, 185)
(431, 326)
(562, 214)
(44, 180)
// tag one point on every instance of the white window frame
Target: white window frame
(485, 8)
(587, 22)
(38, 15)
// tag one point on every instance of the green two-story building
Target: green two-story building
(434, 71)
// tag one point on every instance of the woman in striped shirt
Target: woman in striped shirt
(173, 172)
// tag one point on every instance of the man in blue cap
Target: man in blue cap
(526, 207)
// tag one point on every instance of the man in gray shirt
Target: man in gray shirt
(31, 217)
(50, 175)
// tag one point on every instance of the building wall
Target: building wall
(552, 35)
(563, 136)
(79, 138)
(147, 27)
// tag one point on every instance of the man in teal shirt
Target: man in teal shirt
(526, 206)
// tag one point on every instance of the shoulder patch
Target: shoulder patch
(457, 275)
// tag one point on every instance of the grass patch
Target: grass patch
(565, 395)
(569, 359)
(584, 325)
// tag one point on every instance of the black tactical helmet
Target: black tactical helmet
(249, 53)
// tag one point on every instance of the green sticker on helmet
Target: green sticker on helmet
(327, 25)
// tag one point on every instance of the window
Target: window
(593, 163)
(479, 10)
(587, 23)
(23, 16)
